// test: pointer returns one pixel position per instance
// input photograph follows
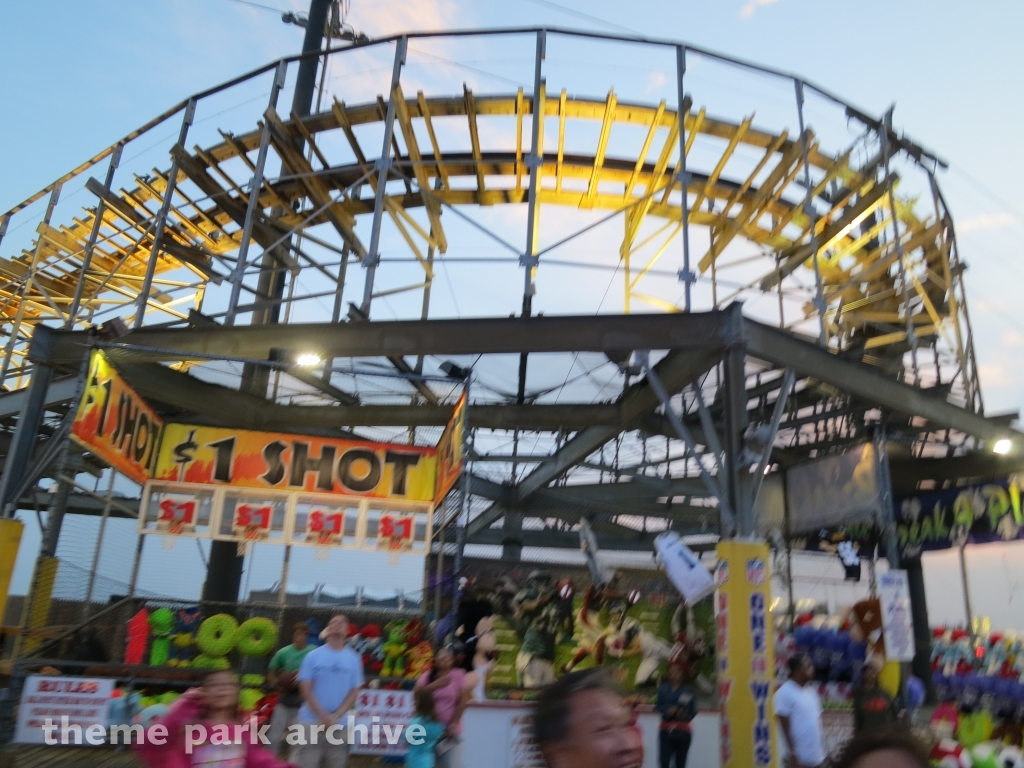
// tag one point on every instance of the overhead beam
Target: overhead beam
(638, 542)
(677, 370)
(59, 392)
(859, 380)
(572, 333)
(81, 504)
(229, 407)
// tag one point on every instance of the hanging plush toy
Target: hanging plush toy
(161, 622)
(138, 638)
(394, 650)
(421, 657)
(187, 622)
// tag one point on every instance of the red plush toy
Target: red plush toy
(951, 754)
(138, 637)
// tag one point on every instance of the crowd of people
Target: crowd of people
(581, 719)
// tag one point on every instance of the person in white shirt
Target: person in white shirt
(799, 711)
(329, 680)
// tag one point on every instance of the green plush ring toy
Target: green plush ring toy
(257, 637)
(210, 662)
(216, 636)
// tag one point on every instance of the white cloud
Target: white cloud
(995, 375)
(751, 7)
(1013, 339)
(655, 80)
(984, 221)
(387, 18)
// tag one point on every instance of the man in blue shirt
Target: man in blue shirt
(329, 680)
(677, 706)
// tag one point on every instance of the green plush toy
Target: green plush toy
(256, 637)
(203, 661)
(394, 650)
(161, 622)
(248, 698)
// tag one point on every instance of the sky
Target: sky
(79, 76)
(78, 81)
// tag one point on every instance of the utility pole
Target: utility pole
(224, 573)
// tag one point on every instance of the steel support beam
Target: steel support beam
(634, 542)
(572, 333)
(58, 392)
(31, 417)
(676, 370)
(861, 381)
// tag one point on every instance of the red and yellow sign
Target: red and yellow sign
(449, 450)
(746, 654)
(240, 458)
(116, 424)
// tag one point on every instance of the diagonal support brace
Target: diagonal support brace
(724, 508)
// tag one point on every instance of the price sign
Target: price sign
(177, 515)
(325, 526)
(395, 532)
(252, 520)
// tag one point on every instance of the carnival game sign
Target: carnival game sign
(75, 701)
(267, 460)
(746, 655)
(976, 514)
(449, 450)
(114, 423)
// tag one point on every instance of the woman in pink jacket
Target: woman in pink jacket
(201, 731)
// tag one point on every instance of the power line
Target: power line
(580, 14)
(261, 6)
(980, 187)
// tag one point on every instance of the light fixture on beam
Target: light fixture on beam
(453, 371)
(308, 359)
(1002, 447)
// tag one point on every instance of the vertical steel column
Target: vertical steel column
(529, 259)
(139, 545)
(99, 545)
(535, 163)
(255, 187)
(383, 168)
(947, 275)
(59, 505)
(736, 420)
(282, 590)
(4, 223)
(161, 221)
(968, 610)
(898, 244)
(888, 523)
(686, 274)
(460, 530)
(812, 216)
(94, 233)
(439, 579)
(27, 430)
(19, 315)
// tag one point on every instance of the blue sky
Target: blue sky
(77, 76)
(80, 76)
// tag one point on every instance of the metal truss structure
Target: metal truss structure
(243, 250)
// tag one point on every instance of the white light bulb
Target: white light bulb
(308, 358)
(1002, 447)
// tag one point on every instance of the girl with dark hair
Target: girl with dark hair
(422, 755)
(214, 706)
